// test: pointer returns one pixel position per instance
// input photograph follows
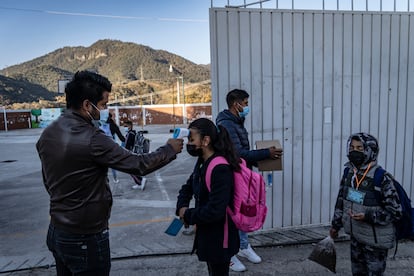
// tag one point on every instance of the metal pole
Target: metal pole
(178, 91)
(5, 118)
(185, 110)
(173, 105)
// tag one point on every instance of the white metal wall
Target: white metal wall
(315, 77)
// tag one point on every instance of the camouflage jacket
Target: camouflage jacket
(377, 229)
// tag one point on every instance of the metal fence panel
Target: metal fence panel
(314, 77)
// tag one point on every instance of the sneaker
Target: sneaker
(143, 181)
(140, 186)
(249, 254)
(188, 231)
(236, 265)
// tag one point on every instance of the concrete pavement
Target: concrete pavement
(139, 245)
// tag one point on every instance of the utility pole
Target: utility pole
(5, 118)
(181, 76)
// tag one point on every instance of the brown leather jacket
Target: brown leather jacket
(75, 158)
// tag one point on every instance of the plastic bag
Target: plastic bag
(324, 253)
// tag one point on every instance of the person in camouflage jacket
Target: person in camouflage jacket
(365, 216)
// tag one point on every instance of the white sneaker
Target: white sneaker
(141, 186)
(236, 265)
(143, 181)
(249, 254)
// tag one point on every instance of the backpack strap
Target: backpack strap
(346, 172)
(213, 163)
(378, 178)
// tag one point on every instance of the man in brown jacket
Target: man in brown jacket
(75, 157)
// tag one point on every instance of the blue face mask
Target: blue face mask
(245, 111)
(103, 114)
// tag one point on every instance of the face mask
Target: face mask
(245, 111)
(103, 114)
(96, 123)
(194, 151)
(356, 157)
(126, 129)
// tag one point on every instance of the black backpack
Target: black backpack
(141, 144)
(405, 226)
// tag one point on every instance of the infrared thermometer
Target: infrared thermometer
(180, 133)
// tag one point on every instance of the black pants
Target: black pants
(77, 254)
(218, 269)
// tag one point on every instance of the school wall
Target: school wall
(16, 119)
(315, 77)
(161, 114)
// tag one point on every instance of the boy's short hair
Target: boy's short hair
(127, 123)
(236, 95)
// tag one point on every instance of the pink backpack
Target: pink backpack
(249, 210)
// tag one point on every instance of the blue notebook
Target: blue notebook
(174, 227)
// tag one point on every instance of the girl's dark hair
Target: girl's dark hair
(220, 140)
(86, 85)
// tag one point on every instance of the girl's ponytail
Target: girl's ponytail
(225, 146)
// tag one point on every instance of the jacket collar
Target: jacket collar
(227, 115)
(76, 114)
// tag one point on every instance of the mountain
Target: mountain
(19, 91)
(121, 62)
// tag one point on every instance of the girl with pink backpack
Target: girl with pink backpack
(216, 239)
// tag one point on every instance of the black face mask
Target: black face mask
(356, 157)
(194, 151)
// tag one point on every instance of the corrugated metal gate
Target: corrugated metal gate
(315, 77)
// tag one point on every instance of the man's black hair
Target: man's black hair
(86, 85)
(236, 95)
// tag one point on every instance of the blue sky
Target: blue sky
(32, 28)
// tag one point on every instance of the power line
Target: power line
(194, 20)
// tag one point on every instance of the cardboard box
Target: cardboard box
(269, 164)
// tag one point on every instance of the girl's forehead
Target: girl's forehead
(194, 133)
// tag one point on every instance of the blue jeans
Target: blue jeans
(77, 254)
(114, 175)
(244, 240)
